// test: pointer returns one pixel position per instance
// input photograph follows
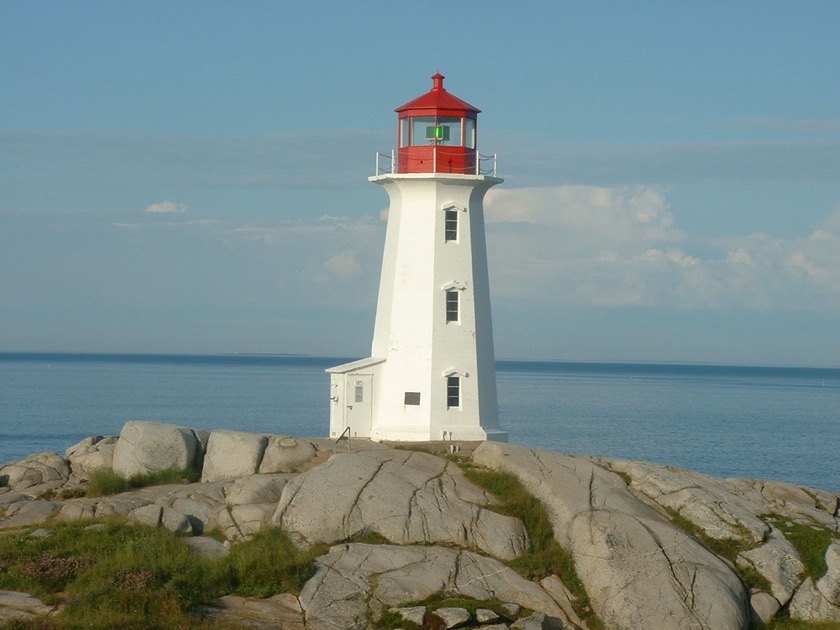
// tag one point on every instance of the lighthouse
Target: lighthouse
(431, 374)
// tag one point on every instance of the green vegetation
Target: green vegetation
(810, 542)
(545, 556)
(122, 574)
(106, 482)
(727, 548)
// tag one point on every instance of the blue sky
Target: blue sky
(192, 176)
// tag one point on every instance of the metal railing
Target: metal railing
(390, 163)
(386, 164)
(338, 439)
(490, 160)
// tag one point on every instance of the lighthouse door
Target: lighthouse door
(359, 411)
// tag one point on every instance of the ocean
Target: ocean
(758, 422)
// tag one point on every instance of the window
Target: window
(425, 130)
(451, 131)
(418, 130)
(453, 392)
(469, 133)
(451, 225)
(412, 398)
(452, 298)
(404, 132)
(360, 393)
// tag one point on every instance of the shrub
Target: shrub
(51, 572)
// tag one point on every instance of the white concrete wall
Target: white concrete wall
(414, 348)
(411, 329)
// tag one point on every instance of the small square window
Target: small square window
(412, 398)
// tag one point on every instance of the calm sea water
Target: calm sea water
(766, 423)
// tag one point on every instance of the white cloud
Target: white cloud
(322, 230)
(611, 214)
(344, 264)
(621, 246)
(166, 207)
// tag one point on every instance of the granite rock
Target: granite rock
(35, 470)
(93, 453)
(146, 447)
(286, 454)
(406, 497)
(232, 454)
(354, 581)
(615, 539)
(16, 607)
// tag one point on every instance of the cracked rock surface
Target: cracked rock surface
(616, 518)
(639, 570)
(355, 577)
(406, 497)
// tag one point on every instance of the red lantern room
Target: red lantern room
(437, 133)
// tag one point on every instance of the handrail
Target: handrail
(487, 158)
(386, 163)
(338, 439)
(391, 167)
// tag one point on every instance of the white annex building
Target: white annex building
(431, 374)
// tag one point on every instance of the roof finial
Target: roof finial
(437, 82)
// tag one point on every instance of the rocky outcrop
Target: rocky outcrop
(286, 454)
(281, 611)
(45, 471)
(640, 534)
(16, 607)
(147, 447)
(355, 581)
(406, 497)
(232, 454)
(616, 539)
(93, 453)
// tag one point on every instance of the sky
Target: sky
(191, 177)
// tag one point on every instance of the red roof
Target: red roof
(437, 98)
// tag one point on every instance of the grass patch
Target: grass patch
(125, 574)
(545, 556)
(106, 482)
(269, 564)
(727, 548)
(810, 542)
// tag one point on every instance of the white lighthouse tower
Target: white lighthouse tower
(431, 374)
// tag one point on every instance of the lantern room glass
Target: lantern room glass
(453, 136)
(469, 133)
(441, 131)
